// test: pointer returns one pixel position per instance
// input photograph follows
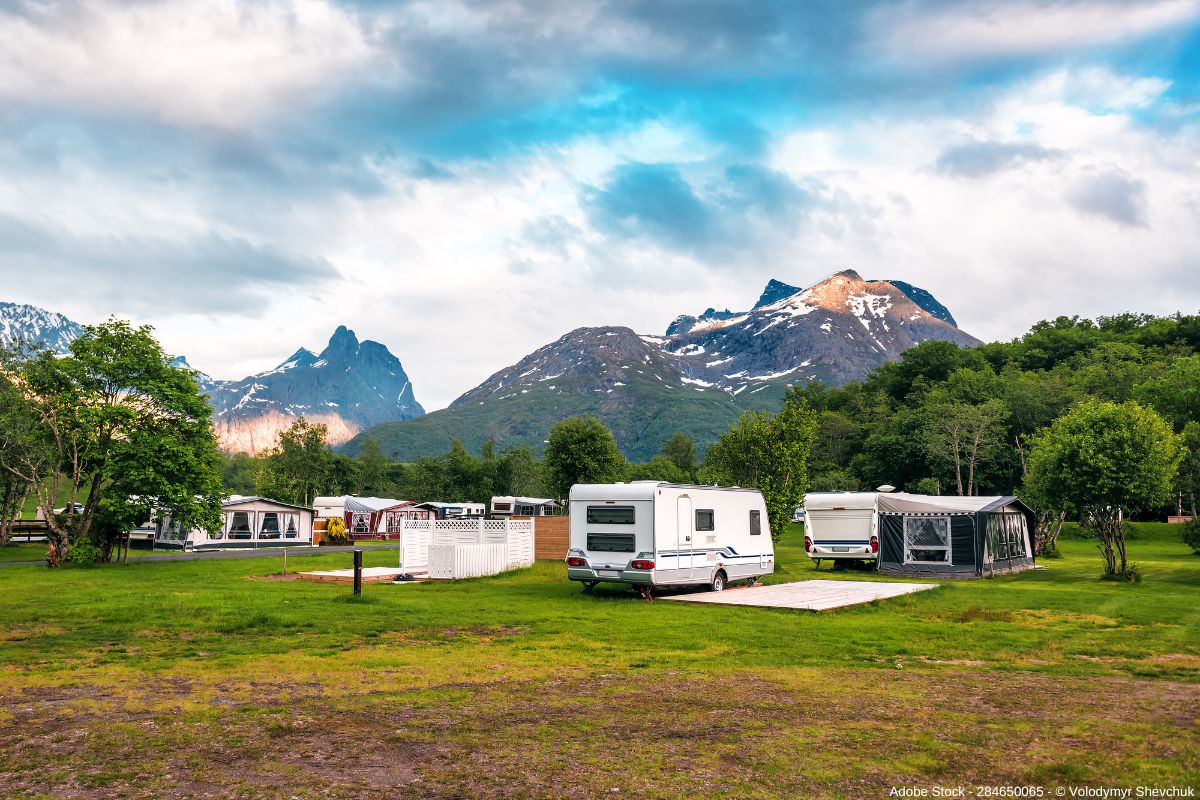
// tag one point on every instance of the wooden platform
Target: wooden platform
(369, 575)
(808, 595)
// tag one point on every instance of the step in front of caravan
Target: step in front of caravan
(815, 595)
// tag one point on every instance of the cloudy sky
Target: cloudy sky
(465, 181)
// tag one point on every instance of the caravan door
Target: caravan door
(683, 537)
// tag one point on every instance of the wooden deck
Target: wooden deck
(807, 595)
(369, 575)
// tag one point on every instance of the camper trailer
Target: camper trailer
(650, 533)
(841, 526)
(922, 535)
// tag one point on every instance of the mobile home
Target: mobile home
(925, 535)
(247, 522)
(454, 510)
(651, 533)
(504, 507)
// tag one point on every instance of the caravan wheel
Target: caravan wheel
(718, 581)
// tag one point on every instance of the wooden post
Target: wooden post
(358, 572)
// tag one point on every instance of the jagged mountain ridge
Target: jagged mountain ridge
(36, 326)
(717, 365)
(349, 386)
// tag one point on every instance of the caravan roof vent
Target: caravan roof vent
(887, 487)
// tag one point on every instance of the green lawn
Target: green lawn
(195, 678)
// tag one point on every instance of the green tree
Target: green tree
(681, 450)
(519, 473)
(372, 472)
(768, 453)
(298, 466)
(1101, 461)
(659, 468)
(115, 423)
(965, 436)
(580, 450)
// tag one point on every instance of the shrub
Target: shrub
(335, 531)
(1131, 574)
(1190, 533)
(84, 552)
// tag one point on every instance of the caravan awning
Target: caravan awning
(904, 503)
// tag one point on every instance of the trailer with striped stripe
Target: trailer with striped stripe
(652, 533)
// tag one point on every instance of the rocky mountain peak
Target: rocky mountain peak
(774, 292)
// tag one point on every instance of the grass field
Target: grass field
(212, 678)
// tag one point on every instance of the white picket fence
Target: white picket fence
(465, 548)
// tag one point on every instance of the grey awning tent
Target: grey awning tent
(953, 536)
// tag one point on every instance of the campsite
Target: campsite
(221, 677)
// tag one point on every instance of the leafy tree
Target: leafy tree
(581, 450)
(372, 472)
(519, 473)
(298, 466)
(966, 436)
(659, 468)
(112, 422)
(681, 450)
(1103, 460)
(239, 472)
(769, 453)
(1187, 483)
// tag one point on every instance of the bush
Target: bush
(335, 531)
(1190, 533)
(1131, 574)
(84, 553)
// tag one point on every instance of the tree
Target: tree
(519, 473)
(966, 436)
(299, 464)
(659, 468)
(681, 450)
(372, 469)
(768, 453)
(1103, 460)
(580, 450)
(115, 423)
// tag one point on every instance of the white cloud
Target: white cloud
(222, 63)
(923, 32)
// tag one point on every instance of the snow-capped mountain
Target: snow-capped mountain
(698, 377)
(349, 386)
(36, 326)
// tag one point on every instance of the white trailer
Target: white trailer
(841, 526)
(651, 533)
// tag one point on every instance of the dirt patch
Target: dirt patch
(289, 577)
(749, 734)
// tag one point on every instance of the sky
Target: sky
(466, 181)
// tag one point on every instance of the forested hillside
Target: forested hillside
(948, 419)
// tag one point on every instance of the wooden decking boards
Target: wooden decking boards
(817, 595)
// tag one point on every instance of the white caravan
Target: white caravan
(841, 526)
(650, 533)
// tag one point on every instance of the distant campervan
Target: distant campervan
(652, 533)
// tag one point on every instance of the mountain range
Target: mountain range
(349, 386)
(696, 378)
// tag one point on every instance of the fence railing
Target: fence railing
(491, 545)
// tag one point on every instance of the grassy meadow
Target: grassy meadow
(219, 678)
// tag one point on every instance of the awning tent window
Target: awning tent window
(926, 540)
(239, 525)
(270, 526)
(360, 522)
(291, 525)
(1006, 536)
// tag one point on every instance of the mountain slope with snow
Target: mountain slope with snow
(348, 386)
(36, 326)
(696, 379)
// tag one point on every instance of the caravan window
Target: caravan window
(926, 540)
(704, 519)
(611, 542)
(755, 523)
(610, 515)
